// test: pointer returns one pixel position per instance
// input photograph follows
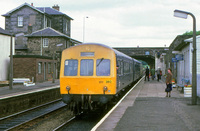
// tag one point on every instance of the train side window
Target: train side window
(126, 68)
(131, 67)
(71, 67)
(103, 67)
(87, 67)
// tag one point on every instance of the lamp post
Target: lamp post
(184, 14)
(84, 27)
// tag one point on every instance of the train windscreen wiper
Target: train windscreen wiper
(100, 62)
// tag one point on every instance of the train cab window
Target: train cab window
(71, 67)
(87, 67)
(103, 67)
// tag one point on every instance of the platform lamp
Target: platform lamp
(84, 28)
(184, 14)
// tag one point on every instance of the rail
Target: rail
(18, 119)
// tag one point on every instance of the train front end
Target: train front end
(88, 74)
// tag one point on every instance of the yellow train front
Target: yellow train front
(90, 76)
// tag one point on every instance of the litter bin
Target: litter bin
(188, 91)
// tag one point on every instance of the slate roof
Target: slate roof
(17, 8)
(51, 11)
(43, 10)
(4, 32)
(50, 32)
(47, 32)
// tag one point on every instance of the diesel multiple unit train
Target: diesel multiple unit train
(92, 74)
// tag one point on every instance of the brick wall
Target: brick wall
(28, 68)
(24, 67)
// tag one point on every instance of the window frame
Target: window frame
(20, 21)
(74, 60)
(97, 72)
(39, 67)
(87, 72)
(45, 42)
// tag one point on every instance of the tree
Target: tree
(191, 33)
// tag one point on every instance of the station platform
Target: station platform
(147, 108)
(21, 89)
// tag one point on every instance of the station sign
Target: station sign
(174, 60)
(179, 57)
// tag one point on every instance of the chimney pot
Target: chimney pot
(56, 7)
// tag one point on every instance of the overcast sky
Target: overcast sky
(121, 23)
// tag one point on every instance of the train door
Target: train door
(120, 74)
(134, 70)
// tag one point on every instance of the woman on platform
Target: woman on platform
(168, 83)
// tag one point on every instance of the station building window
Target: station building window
(40, 67)
(20, 21)
(45, 42)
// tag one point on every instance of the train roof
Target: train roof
(116, 51)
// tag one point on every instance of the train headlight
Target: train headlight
(68, 88)
(105, 88)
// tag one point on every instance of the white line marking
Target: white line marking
(27, 92)
(106, 116)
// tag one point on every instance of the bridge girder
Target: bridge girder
(146, 54)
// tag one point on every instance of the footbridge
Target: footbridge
(147, 54)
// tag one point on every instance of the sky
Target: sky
(121, 23)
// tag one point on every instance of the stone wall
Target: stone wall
(16, 104)
(34, 46)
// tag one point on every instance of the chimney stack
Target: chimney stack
(56, 7)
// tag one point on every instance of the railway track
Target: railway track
(16, 120)
(91, 121)
(60, 127)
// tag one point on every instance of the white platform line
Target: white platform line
(106, 116)
(27, 92)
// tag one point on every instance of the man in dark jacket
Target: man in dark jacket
(147, 73)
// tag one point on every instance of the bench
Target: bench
(21, 80)
(185, 81)
(24, 81)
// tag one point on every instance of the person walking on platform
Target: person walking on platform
(147, 73)
(168, 83)
(152, 73)
(158, 74)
